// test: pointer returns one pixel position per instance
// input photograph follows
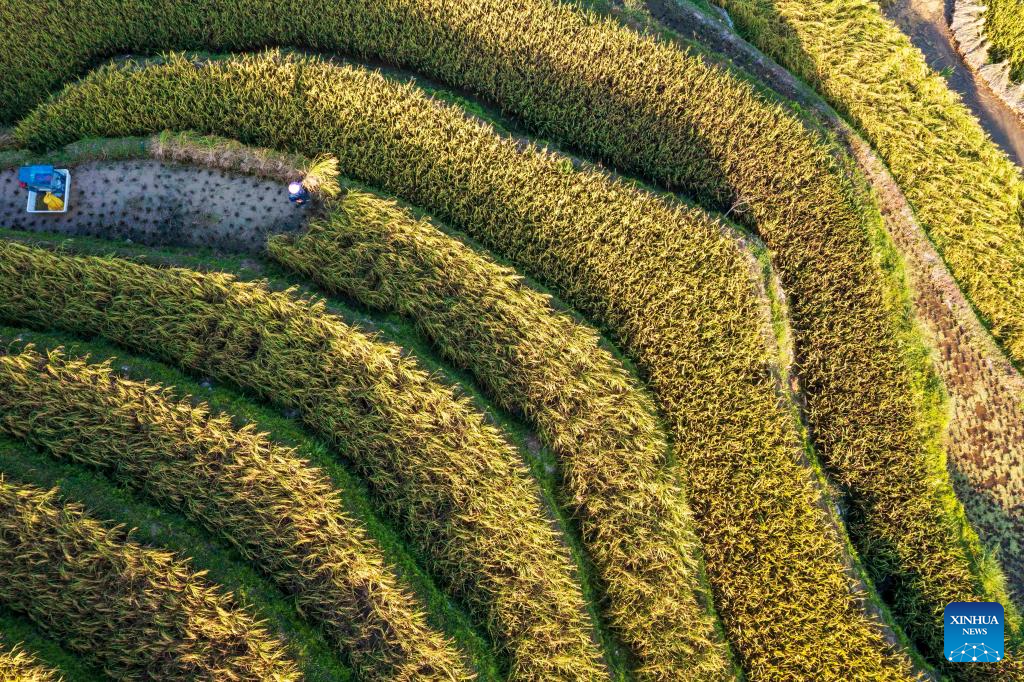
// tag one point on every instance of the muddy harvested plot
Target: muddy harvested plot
(157, 204)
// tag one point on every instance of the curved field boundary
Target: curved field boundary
(617, 478)
(668, 281)
(459, 491)
(136, 611)
(985, 435)
(273, 506)
(973, 44)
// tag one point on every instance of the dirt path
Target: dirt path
(157, 204)
(927, 23)
(986, 393)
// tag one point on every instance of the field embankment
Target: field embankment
(971, 36)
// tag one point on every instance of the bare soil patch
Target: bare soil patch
(158, 204)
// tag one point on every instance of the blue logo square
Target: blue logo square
(974, 632)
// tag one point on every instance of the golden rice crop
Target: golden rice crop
(674, 118)
(1004, 27)
(276, 508)
(536, 362)
(17, 665)
(459, 491)
(965, 191)
(624, 98)
(668, 281)
(137, 612)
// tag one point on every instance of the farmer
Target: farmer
(297, 193)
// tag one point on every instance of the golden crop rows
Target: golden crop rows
(459, 491)
(1004, 27)
(667, 281)
(276, 508)
(136, 611)
(17, 665)
(673, 118)
(965, 191)
(618, 481)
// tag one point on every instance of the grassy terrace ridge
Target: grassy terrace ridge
(684, 302)
(617, 477)
(18, 632)
(133, 610)
(1004, 27)
(232, 481)
(966, 193)
(440, 471)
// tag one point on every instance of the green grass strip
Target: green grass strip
(18, 665)
(17, 631)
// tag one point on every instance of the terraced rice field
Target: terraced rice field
(1005, 32)
(598, 351)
